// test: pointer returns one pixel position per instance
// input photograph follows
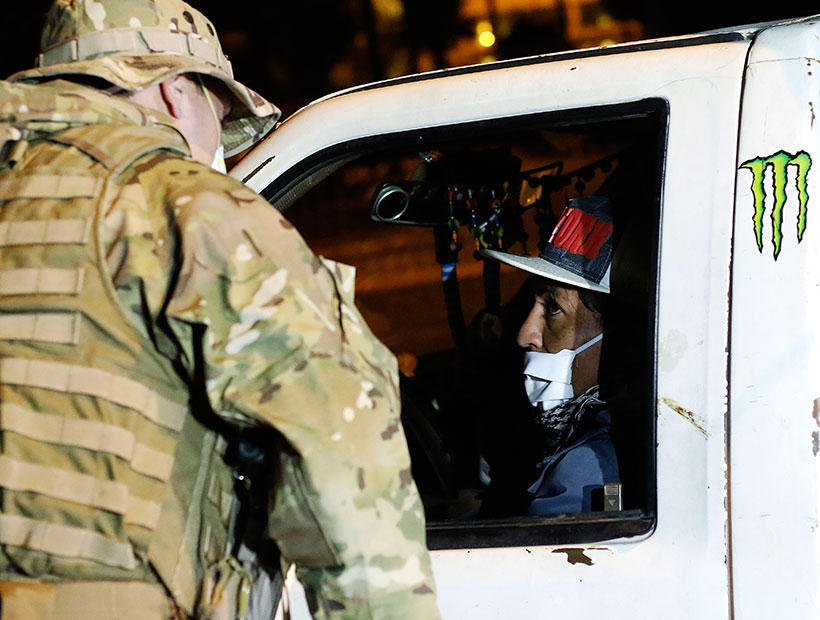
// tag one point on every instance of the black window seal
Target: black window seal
(573, 529)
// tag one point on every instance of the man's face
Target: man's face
(559, 320)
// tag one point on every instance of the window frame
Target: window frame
(525, 530)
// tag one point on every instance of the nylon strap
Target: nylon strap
(151, 462)
(45, 232)
(89, 435)
(52, 327)
(221, 445)
(41, 281)
(136, 42)
(65, 541)
(82, 489)
(116, 147)
(221, 498)
(85, 600)
(53, 186)
(75, 379)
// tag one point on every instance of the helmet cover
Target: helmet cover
(135, 44)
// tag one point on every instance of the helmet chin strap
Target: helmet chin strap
(218, 163)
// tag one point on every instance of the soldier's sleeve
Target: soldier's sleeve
(285, 346)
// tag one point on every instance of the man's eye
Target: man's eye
(553, 308)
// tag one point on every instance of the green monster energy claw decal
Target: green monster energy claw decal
(779, 163)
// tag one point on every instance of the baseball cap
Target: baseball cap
(579, 250)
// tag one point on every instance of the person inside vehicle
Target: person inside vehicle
(562, 336)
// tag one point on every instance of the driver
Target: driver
(563, 336)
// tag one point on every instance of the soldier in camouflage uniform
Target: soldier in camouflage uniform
(150, 309)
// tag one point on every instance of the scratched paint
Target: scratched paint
(686, 415)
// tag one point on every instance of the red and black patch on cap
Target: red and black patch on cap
(581, 242)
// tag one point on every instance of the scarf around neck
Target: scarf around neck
(561, 423)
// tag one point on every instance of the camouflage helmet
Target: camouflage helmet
(134, 44)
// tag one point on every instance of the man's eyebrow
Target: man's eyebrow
(541, 286)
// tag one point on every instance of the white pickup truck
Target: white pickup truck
(706, 146)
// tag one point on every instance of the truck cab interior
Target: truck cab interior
(412, 213)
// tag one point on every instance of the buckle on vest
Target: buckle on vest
(13, 151)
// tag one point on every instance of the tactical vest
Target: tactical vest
(104, 472)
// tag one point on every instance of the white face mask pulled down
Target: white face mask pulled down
(219, 160)
(548, 376)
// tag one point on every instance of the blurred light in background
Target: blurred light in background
(484, 33)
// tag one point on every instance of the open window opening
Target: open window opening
(412, 212)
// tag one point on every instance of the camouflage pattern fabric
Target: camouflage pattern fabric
(284, 346)
(134, 44)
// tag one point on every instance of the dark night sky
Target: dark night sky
(283, 49)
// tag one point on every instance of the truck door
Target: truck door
(775, 355)
(654, 127)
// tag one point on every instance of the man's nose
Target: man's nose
(530, 336)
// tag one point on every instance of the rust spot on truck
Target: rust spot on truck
(686, 415)
(575, 556)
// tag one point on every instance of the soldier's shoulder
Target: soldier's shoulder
(181, 178)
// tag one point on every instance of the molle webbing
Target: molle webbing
(41, 327)
(41, 281)
(88, 434)
(52, 186)
(44, 232)
(65, 541)
(102, 468)
(74, 379)
(96, 600)
(83, 489)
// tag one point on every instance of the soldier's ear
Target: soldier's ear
(174, 92)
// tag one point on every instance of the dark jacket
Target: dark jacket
(569, 476)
